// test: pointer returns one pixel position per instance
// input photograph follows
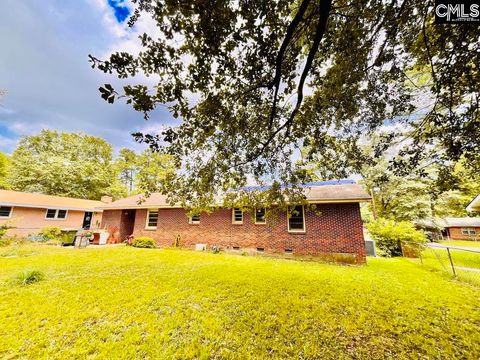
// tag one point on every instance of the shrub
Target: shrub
(4, 241)
(3, 229)
(143, 242)
(390, 236)
(28, 277)
(51, 232)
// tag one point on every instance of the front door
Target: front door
(87, 220)
(127, 223)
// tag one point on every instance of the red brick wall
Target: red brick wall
(336, 230)
(455, 233)
(119, 223)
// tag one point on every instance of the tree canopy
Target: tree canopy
(83, 166)
(3, 171)
(413, 197)
(126, 165)
(65, 164)
(144, 172)
(253, 81)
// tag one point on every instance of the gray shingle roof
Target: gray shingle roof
(449, 222)
(462, 222)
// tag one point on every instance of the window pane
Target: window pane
(260, 216)
(51, 213)
(62, 214)
(237, 215)
(5, 211)
(152, 218)
(195, 218)
(296, 219)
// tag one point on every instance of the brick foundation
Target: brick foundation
(336, 232)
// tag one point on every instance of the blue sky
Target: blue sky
(44, 68)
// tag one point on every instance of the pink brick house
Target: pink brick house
(28, 213)
(333, 229)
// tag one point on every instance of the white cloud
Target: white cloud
(108, 18)
(125, 38)
(49, 80)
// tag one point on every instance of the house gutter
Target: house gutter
(153, 206)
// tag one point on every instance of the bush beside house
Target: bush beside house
(143, 242)
(51, 232)
(3, 231)
(393, 236)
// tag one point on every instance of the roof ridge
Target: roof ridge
(52, 196)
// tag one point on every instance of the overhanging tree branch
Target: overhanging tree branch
(280, 56)
(324, 13)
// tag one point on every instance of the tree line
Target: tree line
(432, 191)
(80, 165)
(84, 166)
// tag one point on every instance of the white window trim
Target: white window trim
(469, 231)
(264, 218)
(192, 222)
(56, 218)
(233, 217)
(304, 230)
(9, 215)
(148, 217)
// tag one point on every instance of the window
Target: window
(288, 251)
(260, 216)
(296, 219)
(152, 219)
(56, 214)
(260, 249)
(237, 216)
(5, 211)
(194, 219)
(468, 231)
(236, 247)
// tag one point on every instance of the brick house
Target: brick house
(28, 213)
(334, 229)
(466, 228)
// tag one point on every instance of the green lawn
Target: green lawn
(466, 262)
(466, 243)
(121, 302)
